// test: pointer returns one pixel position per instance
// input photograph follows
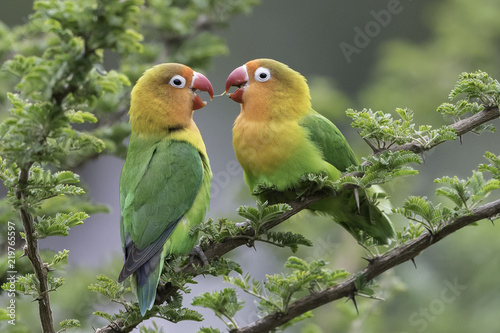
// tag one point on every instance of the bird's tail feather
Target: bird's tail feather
(147, 278)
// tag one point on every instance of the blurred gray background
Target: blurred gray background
(307, 35)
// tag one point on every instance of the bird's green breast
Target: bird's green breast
(163, 180)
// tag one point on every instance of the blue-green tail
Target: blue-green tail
(147, 277)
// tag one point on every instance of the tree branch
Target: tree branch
(33, 254)
(217, 250)
(462, 127)
(378, 266)
(381, 264)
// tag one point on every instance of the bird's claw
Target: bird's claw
(198, 252)
(242, 224)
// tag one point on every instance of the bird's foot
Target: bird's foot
(166, 291)
(198, 252)
(242, 225)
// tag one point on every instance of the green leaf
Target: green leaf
(26, 284)
(104, 315)
(58, 225)
(420, 210)
(382, 131)
(412, 231)
(223, 303)
(110, 289)
(459, 109)
(65, 177)
(493, 167)
(263, 213)
(177, 314)
(59, 257)
(477, 85)
(382, 168)
(55, 282)
(279, 290)
(69, 323)
(80, 116)
(209, 330)
(288, 239)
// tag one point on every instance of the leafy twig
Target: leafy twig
(462, 127)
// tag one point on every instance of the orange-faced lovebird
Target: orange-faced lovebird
(278, 138)
(165, 181)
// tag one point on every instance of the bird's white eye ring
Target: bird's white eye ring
(262, 74)
(178, 81)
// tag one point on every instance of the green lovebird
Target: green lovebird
(165, 181)
(278, 138)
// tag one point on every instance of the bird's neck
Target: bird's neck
(281, 111)
(186, 132)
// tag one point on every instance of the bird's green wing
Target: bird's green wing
(329, 140)
(361, 217)
(160, 181)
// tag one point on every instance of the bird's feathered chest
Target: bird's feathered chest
(261, 146)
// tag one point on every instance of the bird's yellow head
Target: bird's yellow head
(164, 98)
(268, 88)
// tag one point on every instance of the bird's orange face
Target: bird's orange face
(184, 82)
(267, 88)
(247, 75)
(165, 97)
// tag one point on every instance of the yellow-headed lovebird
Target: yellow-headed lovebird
(165, 181)
(278, 137)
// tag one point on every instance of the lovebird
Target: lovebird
(278, 138)
(165, 181)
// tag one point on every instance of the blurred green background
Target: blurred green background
(408, 54)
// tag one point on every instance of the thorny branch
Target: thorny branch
(375, 268)
(33, 254)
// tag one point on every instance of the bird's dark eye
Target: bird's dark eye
(178, 81)
(262, 74)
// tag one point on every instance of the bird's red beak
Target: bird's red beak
(200, 82)
(238, 78)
